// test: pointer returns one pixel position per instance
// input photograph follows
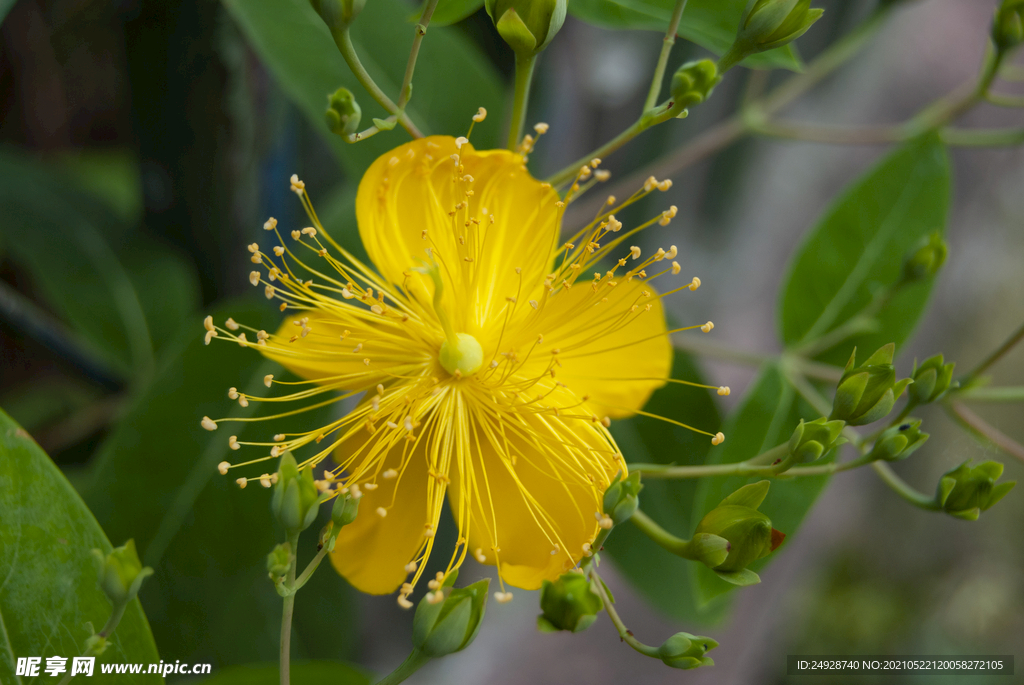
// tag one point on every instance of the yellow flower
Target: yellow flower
(489, 358)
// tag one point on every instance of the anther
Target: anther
(503, 597)
(230, 323)
(210, 335)
(223, 468)
(724, 391)
(614, 224)
(296, 234)
(478, 553)
(269, 291)
(265, 480)
(310, 231)
(243, 400)
(232, 393)
(602, 175)
(718, 439)
(434, 597)
(242, 482)
(382, 512)
(371, 486)
(404, 603)
(707, 327)
(268, 379)
(672, 251)
(411, 567)
(270, 224)
(694, 284)
(480, 115)
(460, 141)
(606, 422)
(278, 250)
(541, 128)
(676, 268)
(208, 324)
(297, 186)
(634, 252)
(389, 474)
(665, 185)
(606, 523)
(233, 443)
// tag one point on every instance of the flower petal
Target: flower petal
(416, 188)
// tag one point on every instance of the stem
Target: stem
(978, 426)
(985, 137)
(751, 467)
(307, 574)
(660, 536)
(828, 469)
(524, 77)
(1014, 393)
(115, 617)
(412, 663)
(343, 40)
(410, 67)
(1014, 338)
(666, 49)
(624, 633)
(286, 613)
(1003, 100)
(900, 487)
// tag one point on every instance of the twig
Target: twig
(978, 426)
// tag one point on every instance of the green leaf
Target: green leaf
(453, 78)
(449, 12)
(766, 417)
(712, 24)
(155, 477)
(49, 591)
(859, 246)
(663, 578)
(302, 673)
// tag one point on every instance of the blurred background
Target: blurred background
(143, 144)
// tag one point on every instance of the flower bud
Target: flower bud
(931, 380)
(451, 625)
(898, 442)
(344, 511)
(569, 603)
(338, 14)
(686, 651)
(120, 573)
(813, 439)
(1008, 25)
(768, 24)
(621, 497)
(279, 561)
(867, 392)
(296, 500)
(527, 25)
(693, 82)
(926, 259)
(965, 492)
(343, 112)
(749, 532)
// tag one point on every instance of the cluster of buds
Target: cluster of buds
(527, 25)
(343, 113)
(898, 442)
(926, 259)
(444, 627)
(120, 573)
(296, 498)
(621, 499)
(747, 531)
(686, 651)
(931, 380)
(1008, 25)
(693, 82)
(965, 492)
(814, 439)
(569, 603)
(866, 393)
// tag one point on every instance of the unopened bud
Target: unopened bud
(965, 492)
(693, 82)
(527, 25)
(296, 500)
(568, 603)
(344, 511)
(621, 497)
(343, 112)
(338, 14)
(686, 651)
(931, 380)
(814, 439)
(448, 626)
(1008, 25)
(279, 561)
(926, 259)
(748, 531)
(899, 442)
(120, 573)
(866, 393)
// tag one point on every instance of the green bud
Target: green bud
(866, 393)
(965, 492)
(120, 573)
(569, 603)
(710, 550)
(813, 439)
(344, 511)
(338, 14)
(898, 442)
(1008, 25)
(621, 497)
(693, 83)
(296, 500)
(749, 532)
(926, 259)
(96, 645)
(279, 561)
(451, 622)
(527, 25)
(343, 112)
(768, 24)
(686, 651)
(931, 380)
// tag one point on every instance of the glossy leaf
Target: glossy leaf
(859, 246)
(156, 474)
(302, 673)
(450, 12)
(664, 579)
(49, 592)
(712, 24)
(765, 418)
(452, 77)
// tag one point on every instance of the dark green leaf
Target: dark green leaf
(661, 577)
(450, 12)
(860, 245)
(711, 24)
(49, 591)
(766, 417)
(452, 77)
(302, 673)
(156, 474)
